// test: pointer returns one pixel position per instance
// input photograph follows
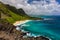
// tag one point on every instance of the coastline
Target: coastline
(20, 22)
(27, 34)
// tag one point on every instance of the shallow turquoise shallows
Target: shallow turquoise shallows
(48, 28)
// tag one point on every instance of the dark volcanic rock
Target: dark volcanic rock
(2, 39)
(44, 38)
(12, 32)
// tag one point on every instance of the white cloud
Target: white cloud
(36, 7)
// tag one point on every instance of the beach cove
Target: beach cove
(17, 23)
(47, 28)
(20, 22)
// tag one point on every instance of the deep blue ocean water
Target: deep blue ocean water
(48, 28)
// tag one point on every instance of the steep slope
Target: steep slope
(11, 14)
(9, 32)
(8, 16)
(18, 11)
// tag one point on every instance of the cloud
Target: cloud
(42, 7)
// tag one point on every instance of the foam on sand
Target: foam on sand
(20, 22)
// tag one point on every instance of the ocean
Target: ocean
(49, 27)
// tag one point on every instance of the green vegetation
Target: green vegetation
(8, 15)
(11, 14)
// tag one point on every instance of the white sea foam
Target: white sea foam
(17, 28)
(28, 34)
(48, 19)
(25, 25)
(20, 22)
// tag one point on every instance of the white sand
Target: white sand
(20, 22)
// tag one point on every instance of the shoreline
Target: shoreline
(20, 22)
(28, 34)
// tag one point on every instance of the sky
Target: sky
(58, 1)
(36, 7)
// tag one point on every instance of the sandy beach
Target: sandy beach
(20, 22)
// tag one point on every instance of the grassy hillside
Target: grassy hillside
(18, 11)
(11, 14)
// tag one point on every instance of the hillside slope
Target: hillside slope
(11, 14)
(15, 10)
(9, 32)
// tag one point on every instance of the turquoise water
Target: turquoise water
(48, 28)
